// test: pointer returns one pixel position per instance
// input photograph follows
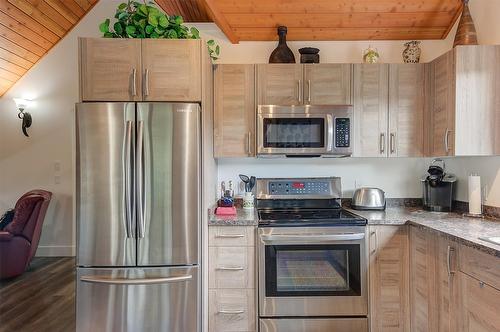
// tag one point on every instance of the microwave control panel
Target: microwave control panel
(299, 187)
(342, 132)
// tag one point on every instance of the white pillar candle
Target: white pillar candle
(475, 194)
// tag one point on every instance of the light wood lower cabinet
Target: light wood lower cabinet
(389, 296)
(446, 281)
(231, 280)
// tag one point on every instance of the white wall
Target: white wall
(27, 163)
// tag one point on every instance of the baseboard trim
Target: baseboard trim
(58, 251)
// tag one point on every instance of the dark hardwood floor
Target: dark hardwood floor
(42, 299)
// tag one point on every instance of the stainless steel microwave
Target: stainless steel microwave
(304, 131)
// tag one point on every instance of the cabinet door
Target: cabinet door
(280, 84)
(171, 70)
(370, 110)
(110, 69)
(442, 112)
(389, 300)
(234, 117)
(406, 110)
(446, 283)
(327, 84)
(479, 305)
(423, 281)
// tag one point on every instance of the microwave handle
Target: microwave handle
(330, 138)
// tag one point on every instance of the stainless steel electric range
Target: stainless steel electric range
(313, 258)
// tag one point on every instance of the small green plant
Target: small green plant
(136, 19)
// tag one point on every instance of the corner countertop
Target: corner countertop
(466, 230)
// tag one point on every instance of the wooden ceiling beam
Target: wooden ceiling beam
(220, 20)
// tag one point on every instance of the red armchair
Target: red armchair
(19, 239)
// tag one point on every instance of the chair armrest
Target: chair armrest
(5, 236)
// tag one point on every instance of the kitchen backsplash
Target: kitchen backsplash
(399, 178)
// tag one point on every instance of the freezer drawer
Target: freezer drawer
(314, 324)
(138, 299)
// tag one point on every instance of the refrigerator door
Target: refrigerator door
(137, 299)
(167, 181)
(105, 209)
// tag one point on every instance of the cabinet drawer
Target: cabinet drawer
(231, 267)
(480, 265)
(232, 310)
(231, 236)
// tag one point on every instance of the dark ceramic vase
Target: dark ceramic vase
(282, 53)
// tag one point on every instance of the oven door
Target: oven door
(294, 134)
(313, 271)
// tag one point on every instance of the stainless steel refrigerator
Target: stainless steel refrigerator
(138, 197)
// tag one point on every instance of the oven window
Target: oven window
(294, 132)
(312, 270)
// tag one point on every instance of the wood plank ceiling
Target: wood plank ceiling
(255, 20)
(29, 29)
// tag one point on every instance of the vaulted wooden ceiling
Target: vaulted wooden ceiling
(29, 29)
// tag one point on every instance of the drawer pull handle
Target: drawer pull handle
(231, 312)
(231, 268)
(230, 236)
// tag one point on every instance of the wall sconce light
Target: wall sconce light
(22, 105)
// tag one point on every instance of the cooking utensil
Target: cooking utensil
(245, 180)
(251, 183)
(368, 199)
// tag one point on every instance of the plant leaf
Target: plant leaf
(130, 29)
(118, 28)
(217, 50)
(122, 6)
(154, 35)
(163, 21)
(104, 26)
(211, 42)
(149, 29)
(153, 20)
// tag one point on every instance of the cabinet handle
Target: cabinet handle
(309, 91)
(231, 312)
(230, 236)
(146, 83)
(446, 140)
(299, 95)
(249, 143)
(382, 143)
(134, 86)
(449, 250)
(375, 247)
(393, 142)
(230, 268)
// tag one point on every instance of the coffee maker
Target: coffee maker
(438, 188)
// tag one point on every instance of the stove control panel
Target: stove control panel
(284, 188)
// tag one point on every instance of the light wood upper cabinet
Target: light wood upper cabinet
(441, 120)
(370, 110)
(110, 69)
(171, 70)
(327, 84)
(406, 110)
(389, 278)
(234, 117)
(280, 84)
(140, 70)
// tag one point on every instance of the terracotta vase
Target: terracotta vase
(282, 53)
(466, 32)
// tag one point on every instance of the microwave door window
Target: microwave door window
(294, 133)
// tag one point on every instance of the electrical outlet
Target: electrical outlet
(57, 166)
(57, 179)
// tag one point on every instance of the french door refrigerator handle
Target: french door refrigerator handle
(139, 168)
(129, 190)
(142, 281)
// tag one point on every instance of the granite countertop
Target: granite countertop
(465, 229)
(243, 217)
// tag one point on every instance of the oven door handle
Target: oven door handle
(311, 238)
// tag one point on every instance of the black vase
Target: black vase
(282, 53)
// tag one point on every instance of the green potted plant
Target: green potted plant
(136, 19)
